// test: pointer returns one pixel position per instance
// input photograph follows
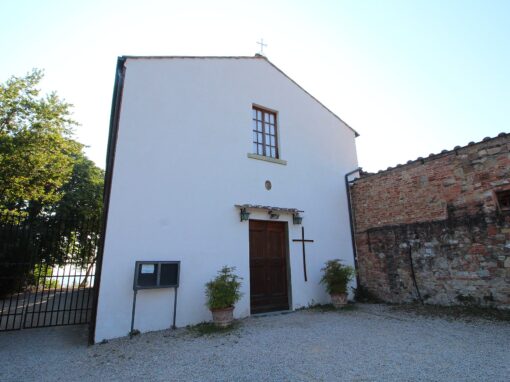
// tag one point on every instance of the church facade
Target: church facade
(217, 161)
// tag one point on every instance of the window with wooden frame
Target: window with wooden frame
(503, 199)
(265, 135)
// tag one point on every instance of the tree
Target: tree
(37, 151)
(50, 193)
(82, 195)
(78, 212)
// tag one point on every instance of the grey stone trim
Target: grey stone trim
(267, 159)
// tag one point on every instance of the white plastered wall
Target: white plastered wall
(181, 165)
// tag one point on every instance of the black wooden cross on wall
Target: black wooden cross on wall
(303, 241)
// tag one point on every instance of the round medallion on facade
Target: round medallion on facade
(268, 185)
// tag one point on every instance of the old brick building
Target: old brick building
(438, 228)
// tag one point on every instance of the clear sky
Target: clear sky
(412, 77)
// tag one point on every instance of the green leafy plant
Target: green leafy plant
(224, 290)
(43, 276)
(37, 148)
(336, 276)
(210, 329)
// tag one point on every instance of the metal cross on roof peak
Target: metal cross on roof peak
(262, 45)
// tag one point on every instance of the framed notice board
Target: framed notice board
(156, 274)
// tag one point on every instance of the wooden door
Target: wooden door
(268, 266)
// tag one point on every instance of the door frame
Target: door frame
(287, 260)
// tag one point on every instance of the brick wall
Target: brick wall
(440, 218)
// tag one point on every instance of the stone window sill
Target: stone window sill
(267, 159)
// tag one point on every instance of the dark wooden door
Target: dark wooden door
(268, 266)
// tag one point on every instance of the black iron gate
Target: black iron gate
(47, 271)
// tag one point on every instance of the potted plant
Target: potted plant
(335, 277)
(222, 293)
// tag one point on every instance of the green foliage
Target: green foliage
(224, 290)
(78, 212)
(336, 276)
(324, 308)
(45, 178)
(82, 195)
(50, 193)
(36, 149)
(42, 276)
(211, 329)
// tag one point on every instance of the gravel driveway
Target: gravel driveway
(369, 343)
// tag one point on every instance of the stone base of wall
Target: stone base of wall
(460, 260)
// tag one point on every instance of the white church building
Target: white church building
(217, 161)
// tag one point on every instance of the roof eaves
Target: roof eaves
(356, 134)
(190, 57)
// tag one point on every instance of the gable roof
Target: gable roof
(256, 57)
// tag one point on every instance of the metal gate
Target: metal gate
(47, 271)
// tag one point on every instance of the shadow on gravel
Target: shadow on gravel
(465, 313)
(38, 341)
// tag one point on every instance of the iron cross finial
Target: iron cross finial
(262, 45)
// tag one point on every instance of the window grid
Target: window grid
(265, 141)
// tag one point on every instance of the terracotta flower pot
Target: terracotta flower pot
(339, 300)
(223, 317)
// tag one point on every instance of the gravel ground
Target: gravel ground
(369, 343)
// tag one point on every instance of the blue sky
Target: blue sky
(412, 77)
